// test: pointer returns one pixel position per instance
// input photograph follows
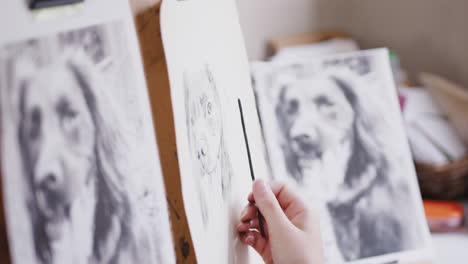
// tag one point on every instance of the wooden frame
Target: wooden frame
(149, 34)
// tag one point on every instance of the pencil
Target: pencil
(252, 175)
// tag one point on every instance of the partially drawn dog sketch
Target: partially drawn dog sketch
(70, 139)
(204, 119)
(328, 142)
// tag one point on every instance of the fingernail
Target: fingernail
(249, 239)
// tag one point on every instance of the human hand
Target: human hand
(292, 230)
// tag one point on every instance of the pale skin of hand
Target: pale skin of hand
(292, 229)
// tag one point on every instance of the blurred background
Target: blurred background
(424, 36)
(428, 35)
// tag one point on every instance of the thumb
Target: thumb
(269, 206)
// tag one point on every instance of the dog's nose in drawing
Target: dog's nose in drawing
(50, 196)
(201, 153)
(203, 148)
(307, 146)
(49, 182)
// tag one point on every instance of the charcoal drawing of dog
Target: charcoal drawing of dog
(80, 212)
(206, 135)
(327, 134)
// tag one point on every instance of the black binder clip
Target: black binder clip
(38, 4)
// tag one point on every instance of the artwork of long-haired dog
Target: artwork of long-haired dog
(74, 149)
(204, 119)
(327, 133)
(68, 157)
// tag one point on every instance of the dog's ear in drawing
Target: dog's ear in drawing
(115, 229)
(367, 164)
(291, 159)
(188, 110)
(41, 240)
(223, 159)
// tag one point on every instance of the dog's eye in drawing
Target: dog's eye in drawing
(68, 119)
(292, 107)
(209, 108)
(34, 124)
(66, 112)
(326, 107)
(323, 101)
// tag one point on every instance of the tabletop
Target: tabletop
(451, 247)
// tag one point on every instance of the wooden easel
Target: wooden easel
(149, 34)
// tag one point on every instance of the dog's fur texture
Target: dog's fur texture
(112, 234)
(363, 213)
(204, 119)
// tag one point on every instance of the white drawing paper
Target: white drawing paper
(333, 128)
(81, 174)
(208, 73)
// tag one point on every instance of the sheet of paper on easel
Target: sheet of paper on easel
(333, 128)
(208, 72)
(80, 168)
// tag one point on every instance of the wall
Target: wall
(264, 19)
(429, 35)
(139, 6)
